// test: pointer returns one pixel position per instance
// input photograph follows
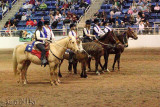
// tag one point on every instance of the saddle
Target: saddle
(31, 47)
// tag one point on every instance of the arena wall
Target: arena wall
(143, 41)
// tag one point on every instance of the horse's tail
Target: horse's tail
(15, 61)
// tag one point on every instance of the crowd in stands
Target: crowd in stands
(134, 13)
(57, 12)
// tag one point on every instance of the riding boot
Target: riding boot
(43, 61)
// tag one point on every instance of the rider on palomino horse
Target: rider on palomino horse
(42, 35)
(87, 32)
(97, 30)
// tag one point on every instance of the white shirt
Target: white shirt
(98, 30)
(106, 29)
(50, 34)
(58, 16)
(86, 31)
(23, 17)
(72, 33)
(40, 38)
(141, 26)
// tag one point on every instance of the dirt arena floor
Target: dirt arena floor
(136, 85)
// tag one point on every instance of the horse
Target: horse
(118, 50)
(92, 49)
(23, 59)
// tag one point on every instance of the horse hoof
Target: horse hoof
(56, 83)
(59, 81)
(25, 82)
(97, 73)
(85, 76)
(52, 83)
(108, 70)
(60, 75)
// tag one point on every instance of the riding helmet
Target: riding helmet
(96, 20)
(72, 25)
(88, 22)
(46, 22)
(40, 24)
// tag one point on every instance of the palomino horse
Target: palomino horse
(123, 38)
(22, 59)
(91, 49)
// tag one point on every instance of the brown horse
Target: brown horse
(93, 49)
(123, 38)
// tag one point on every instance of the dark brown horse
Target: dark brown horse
(118, 50)
(95, 50)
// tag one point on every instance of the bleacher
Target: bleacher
(51, 5)
(152, 17)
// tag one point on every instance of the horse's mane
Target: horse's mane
(60, 39)
(104, 36)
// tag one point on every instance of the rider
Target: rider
(41, 38)
(72, 30)
(50, 34)
(87, 32)
(97, 30)
(106, 27)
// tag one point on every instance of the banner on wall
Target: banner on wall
(26, 35)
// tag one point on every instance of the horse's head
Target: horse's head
(131, 34)
(79, 43)
(73, 45)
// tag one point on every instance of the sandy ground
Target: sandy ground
(136, 85)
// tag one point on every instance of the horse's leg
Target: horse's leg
(82, 65)
(96, 65)
(59, 73)
(115, 59)
(106, 56)
(19, 69)
(54, 74)
(70, 67)
(84, 69)
(119, 61)
(27, 63)
(99, 61)
(89, 64)
(75, 67)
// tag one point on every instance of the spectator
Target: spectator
(143, 18)
(8, 31)
(29, 12)
(57, 8)
(141, 27)
(43, 6)
(83, 4)
(112, 13)
(8, 23)
(135, 13)
(33, 13)
(63, 16)
(32, 2)
(59, 3)
(116, 4)
(111, 20)
(69, 15)
(157, 8)
(143, 8)
(138, 19)
(139, 3)
(42, 19)
(134, 5)
(29, 23)
(126, 20)
(150, 9)
(103, 14)
(88, 2)
(130, 11)
(122, 25)
(15, 22)
(58, 16)
(117, 12)
(131, 20)
(23, 17)
(14, 29)
(122, 4)
(34, 23)
(51, 19)
(51, 12)
(27, 6)
(116, 25)
(18, 16)
(147, 27)
(65, 6)
(74, 18)
(117, 19)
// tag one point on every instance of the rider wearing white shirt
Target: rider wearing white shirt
(41, 38)
(97, 30)
(72, 31)
(106, 28)
(50, 34)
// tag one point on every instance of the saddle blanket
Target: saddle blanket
(29, 48)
